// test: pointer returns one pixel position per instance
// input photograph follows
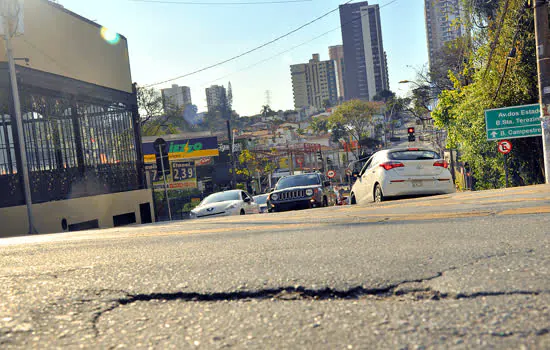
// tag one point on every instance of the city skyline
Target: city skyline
(153, 49)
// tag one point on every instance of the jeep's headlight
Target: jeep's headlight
(274, 196)
(309, 192)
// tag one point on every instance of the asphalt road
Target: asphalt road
(469, 270)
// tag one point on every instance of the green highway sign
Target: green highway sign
(513, 122)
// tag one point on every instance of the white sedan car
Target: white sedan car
(235, 202)
(401, 172)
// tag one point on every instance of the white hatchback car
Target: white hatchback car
(401, 172)
(234, 202)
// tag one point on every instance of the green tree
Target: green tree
(267, 111)
(319, 125)
(253, 163)
(384, 95)
(338, 132)
(492, 79)
(158, 116)
(355, 116)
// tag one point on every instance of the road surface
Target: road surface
(469, 270)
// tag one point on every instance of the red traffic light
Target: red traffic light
(411, 130)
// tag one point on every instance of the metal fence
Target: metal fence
(76, 146)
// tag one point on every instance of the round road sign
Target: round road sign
(504, 146)
(331, 174)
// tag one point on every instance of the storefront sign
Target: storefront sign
(184, 149)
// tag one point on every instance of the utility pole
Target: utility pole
(543, 67)
(8, 28)
(290, 159)
(231, 145)
(165, 184)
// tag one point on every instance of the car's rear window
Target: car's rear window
(413, 155)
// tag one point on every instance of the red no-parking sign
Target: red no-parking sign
(331, 174)
(504, 146)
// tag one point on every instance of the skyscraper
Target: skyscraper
(176, 97)
(336, 53)
(365, 72)
(216, 98)
(314, 82)
(442, 24)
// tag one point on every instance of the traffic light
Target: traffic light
(410, 131)
(319, 155)
(161, 155)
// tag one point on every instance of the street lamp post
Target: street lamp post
(8, 18)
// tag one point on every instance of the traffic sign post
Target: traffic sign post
(513, 122)
(505, 147)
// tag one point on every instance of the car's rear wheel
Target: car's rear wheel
(353, 201)
(378, 195)
(242, 212)
(325, 202)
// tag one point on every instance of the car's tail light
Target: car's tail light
(442, 163)
(391, 165)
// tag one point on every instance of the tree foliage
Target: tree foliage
(253, 163)
(319, 126)
(355, 116)
(384, 95)
(461, 109)
(158, 117)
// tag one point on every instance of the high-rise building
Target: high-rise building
(176, 97)
(336, 53)
(442, 24)
(365, 72)
(314, 82)
(216, 98)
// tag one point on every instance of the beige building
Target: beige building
(336, 54)
(216, 97)
(81, 127)
(314, 82)
(176, 97)
(442, 24)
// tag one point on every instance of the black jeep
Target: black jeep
(302, 191)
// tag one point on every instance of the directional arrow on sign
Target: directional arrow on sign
(494, 134)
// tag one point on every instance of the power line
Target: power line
(251, 50)
(289, 49)
(222, 3)
(296, 46)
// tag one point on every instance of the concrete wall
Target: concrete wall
(48, 216)
(61, 42)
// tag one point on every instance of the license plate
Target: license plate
(417, 184)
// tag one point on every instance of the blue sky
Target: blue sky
(167, 40)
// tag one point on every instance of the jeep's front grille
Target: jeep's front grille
(288, 195)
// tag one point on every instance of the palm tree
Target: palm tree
(318, 126)
(266, 111)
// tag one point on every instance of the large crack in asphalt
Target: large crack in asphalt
(413, 289)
